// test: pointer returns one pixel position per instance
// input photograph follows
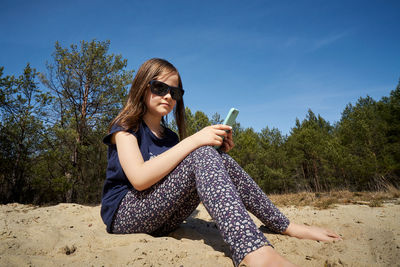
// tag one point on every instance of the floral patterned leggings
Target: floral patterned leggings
(226, 191)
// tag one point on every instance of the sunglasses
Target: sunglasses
(161, 89)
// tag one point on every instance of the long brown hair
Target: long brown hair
(132, 114)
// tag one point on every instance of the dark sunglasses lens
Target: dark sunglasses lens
(176, 93)
(159, 88)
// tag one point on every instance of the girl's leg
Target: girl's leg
(186, 207)
(203, 169)
(150, 210)
(222, 201)
(259, 204)
(255, 200)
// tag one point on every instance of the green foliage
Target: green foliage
(275, 175)
(370, 133)
(247, 150)
(308, 148)
(89, 86)
(51, 149)
(196, 122)
(23, 107)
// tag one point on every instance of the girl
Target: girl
(154, 181)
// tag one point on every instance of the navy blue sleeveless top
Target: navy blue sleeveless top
(117, 184)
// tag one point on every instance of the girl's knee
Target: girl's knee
(203, 153)
(226, 158)
(203, 150)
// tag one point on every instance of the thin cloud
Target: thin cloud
(328, 40)
(292, 41)
(313, 44)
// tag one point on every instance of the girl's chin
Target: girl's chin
(165, 112)
(165, 108)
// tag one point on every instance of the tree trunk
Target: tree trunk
(316, 178)
(70, 191)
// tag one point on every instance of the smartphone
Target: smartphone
(230, 119)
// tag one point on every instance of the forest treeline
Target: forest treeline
(52, 125)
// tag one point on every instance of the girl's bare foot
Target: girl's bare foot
(265, 256)
(311, 232)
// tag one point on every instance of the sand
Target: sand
(74, 235)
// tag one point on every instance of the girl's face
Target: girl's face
(160, 106)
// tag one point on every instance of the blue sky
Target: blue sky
(273, 60)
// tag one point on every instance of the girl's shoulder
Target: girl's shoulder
(114, 129)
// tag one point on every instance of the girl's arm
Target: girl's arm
(143, 174)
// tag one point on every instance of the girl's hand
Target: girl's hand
(211, 135)
(228, 143)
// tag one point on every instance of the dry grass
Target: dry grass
(325, 200)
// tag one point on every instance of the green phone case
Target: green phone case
(230, 119)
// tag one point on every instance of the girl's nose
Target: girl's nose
(168, 95)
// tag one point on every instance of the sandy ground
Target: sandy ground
(74, 235)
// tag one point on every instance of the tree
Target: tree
(89, 87)
(272, 161)
(246, 151)
(23, 109)
(369, 130)
(308, 150)
(362, 132)
(392, 148)
(216, 119)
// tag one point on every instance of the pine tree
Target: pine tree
(23, 111)
(89, 87)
